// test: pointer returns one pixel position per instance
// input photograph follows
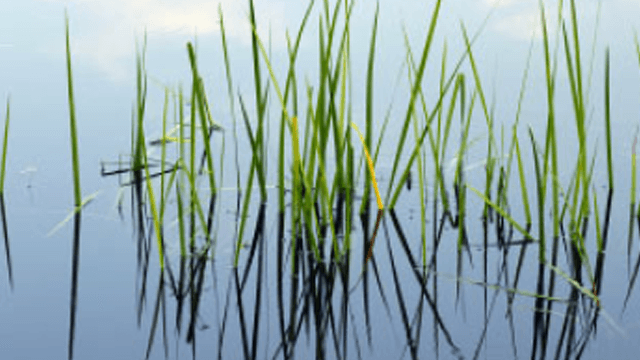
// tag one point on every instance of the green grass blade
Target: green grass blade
(86, 201)
(541, 192)
(229, 78)
(163, 154)
(72, 124)
(199, 104)
(488, 118)
(607, 118)
(414, 92)
(77, 195)
(7, 247)
(523, 181)
(551, 132)
(157, 225)
(502, 213)
(260, 98)
(4, 146)
(369, 104)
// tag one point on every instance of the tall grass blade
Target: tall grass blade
(260, 96)
(72, 125)
(255, 159)
(551, 132)
(229, 92)
(4, 146)
(415, 87)
(77, 195)
(488, 118)
(290, 87)
(206, 125)
(369, 107)
(574, 70)
(523, 183)
(435, 111)
(607, 117)
(632, 201)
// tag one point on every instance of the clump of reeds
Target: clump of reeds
(317, 152)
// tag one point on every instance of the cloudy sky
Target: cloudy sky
(104, 31)
(104, 35)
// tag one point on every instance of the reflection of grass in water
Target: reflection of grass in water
(328, 116)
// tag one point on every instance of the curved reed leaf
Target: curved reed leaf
(4, 146)
(5, 231)
(502, 213)
(371, 169)
(375, 187)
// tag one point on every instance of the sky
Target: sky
(105, 34)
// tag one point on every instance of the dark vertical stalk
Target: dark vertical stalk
(5, 232)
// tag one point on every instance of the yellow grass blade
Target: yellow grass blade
(371, 169)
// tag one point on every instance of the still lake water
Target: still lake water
(35, 314)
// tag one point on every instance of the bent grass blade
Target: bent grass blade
(86, 201)
(7, 249)
(375, 187)
(502, 213)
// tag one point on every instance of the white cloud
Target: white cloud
(499, 3)
(520, 19)
(104, 31)
(521, 26)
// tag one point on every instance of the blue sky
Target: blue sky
(104, 31)
(104, 35)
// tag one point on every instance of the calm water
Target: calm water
(35, 314)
